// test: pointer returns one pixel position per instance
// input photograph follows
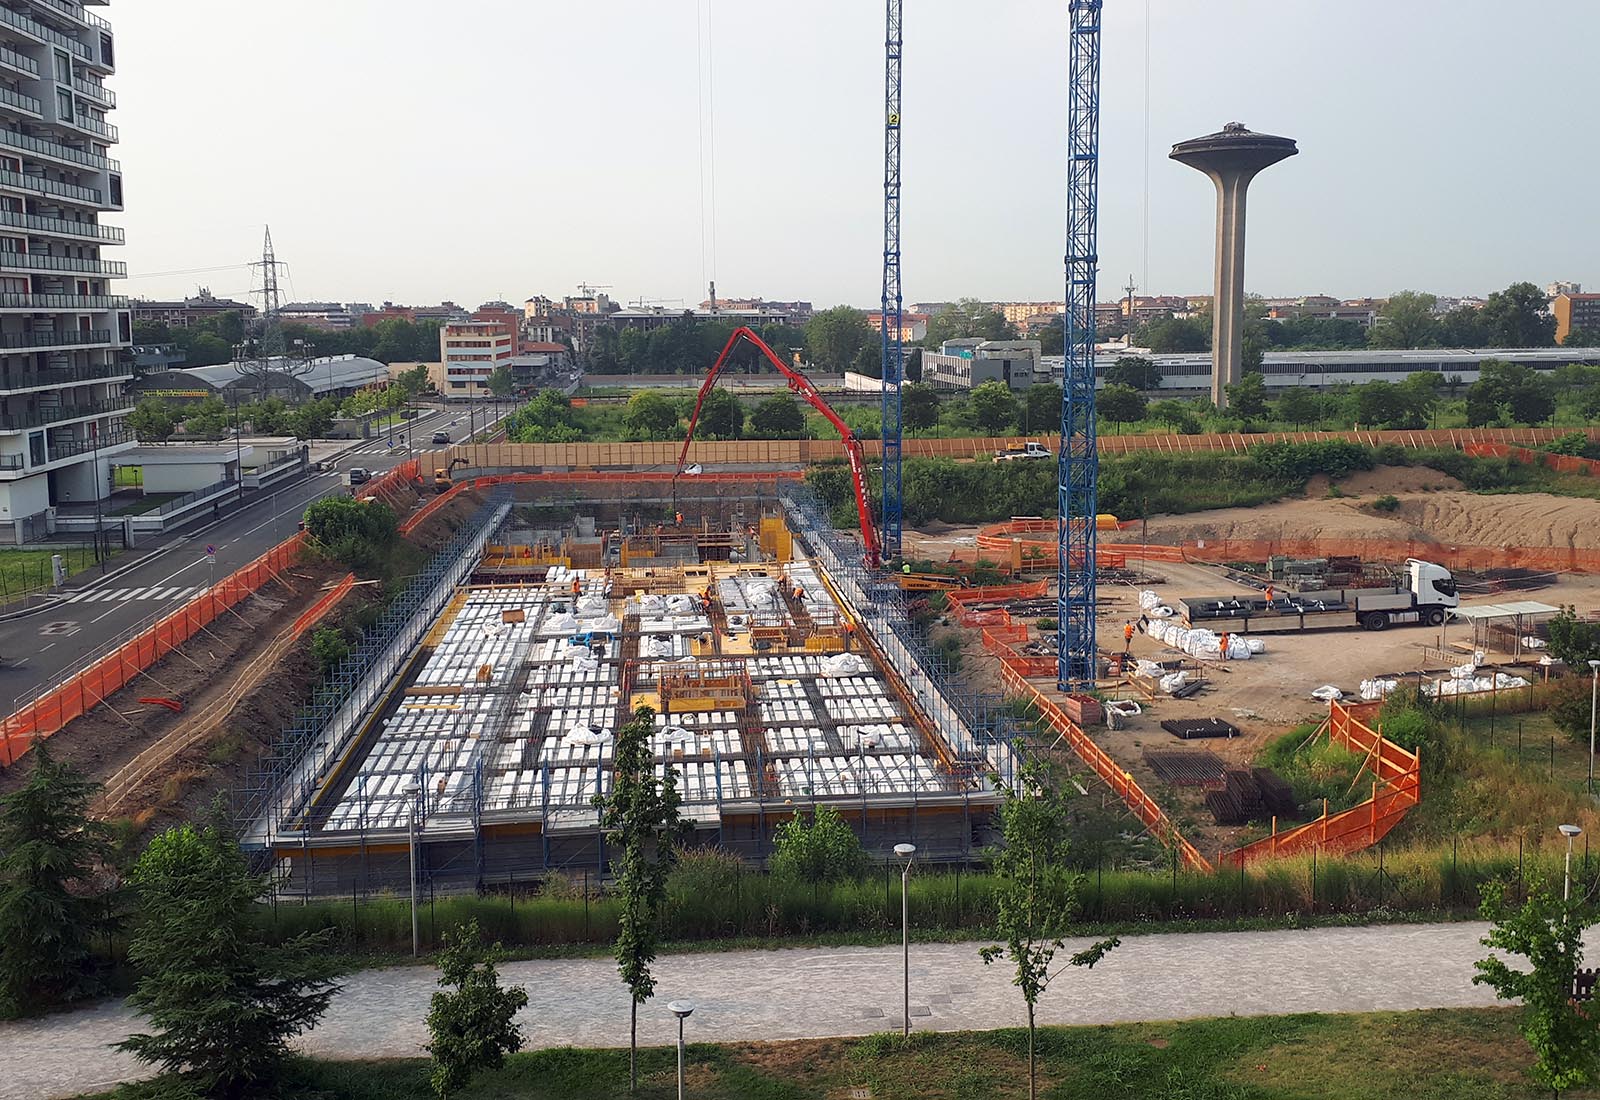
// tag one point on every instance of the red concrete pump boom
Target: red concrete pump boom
(801, 385)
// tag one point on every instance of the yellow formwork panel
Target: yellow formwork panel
(776, 541)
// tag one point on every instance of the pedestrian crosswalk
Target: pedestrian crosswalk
(150, 592)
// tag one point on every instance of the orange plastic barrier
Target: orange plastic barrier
(1397, 789)
(316, 611)
(78, 695)
(1566, 464)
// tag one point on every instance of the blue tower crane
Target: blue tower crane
(1079, 461)
(894, 351)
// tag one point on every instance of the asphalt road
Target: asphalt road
(40, 648)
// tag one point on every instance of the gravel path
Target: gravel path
(818, 992)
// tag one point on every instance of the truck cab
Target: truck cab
(1023, 451)
(1432, 585)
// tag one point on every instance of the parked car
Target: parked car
(360, 475)
(441, 437)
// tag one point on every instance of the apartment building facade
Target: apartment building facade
(63, 406)
(470, 351)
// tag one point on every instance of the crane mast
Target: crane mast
(890, 315)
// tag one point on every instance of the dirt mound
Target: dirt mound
(1385, 479)
(433, 533)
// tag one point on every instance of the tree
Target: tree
(1248, 396)
(1052, 337)
(415, 380)
(1516, 317)
(207, 419)
(1406, 321)
(834, 337)
(1388, 405)
(1463, 327)
(1041, 407)
(1121, 404)
(1299, 406)
(1177, 415)
(1174, 334)
(1581, 338)
(993, 408)
(359, 533)
(500, 383)
(1036, 895)
(1135, 372)
(968, 319)
(778, 417)
(1548, 933)
(53, 903)
(640, 819)
(152, 420)
(1574, 641)
(819, 849)
(919, 405)
(650, 415)
(474, 1027)
(223, 1001)
(1509, 390)
(721, 417)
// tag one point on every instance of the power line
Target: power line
(187, 271)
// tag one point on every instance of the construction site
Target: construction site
(778, 673)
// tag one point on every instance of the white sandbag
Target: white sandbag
(1376, 689)
(589, 606)
(1530, 642)
(560, 622)
(1255, 645)
(657, 647)
(1463, 672)
(604, 624)
(1173, 681)
(1239, 648)
(1125, 707)
(1160, 611)
(1327, 693)
(1148, 599)
(1155, 628)
(586, 735)
(1503, 681)
(682, 604)
(677, 735)
(1147, 668)
(843, 664)
(652, 607)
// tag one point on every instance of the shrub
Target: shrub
(1386, 503)
(1569, 703)
(358, 533)
(821, 848)
(1295, 463)
(328, 647)
(474, 1027)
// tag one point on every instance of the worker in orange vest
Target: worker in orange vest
(849, 632)
(577, 587)
(1224, 643)
(1127, 638)
(1269, 595)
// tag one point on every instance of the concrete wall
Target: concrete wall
(186, 477)
(24, 498)
(75, 484)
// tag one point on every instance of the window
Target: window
(36, 455)
(116, 190)
(63, 68)
(63, 104)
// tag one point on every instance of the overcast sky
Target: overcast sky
(412, 150)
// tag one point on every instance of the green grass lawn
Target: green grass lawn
(1434, 1055)
(24, 571)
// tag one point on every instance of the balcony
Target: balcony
(54, 377)
(40, 148)
(97, 92)
(72, 448)
(38, 185)
(41, 33)
(96, 126)
(14, 342)
(55, 414)
(24, 103)
(10, 462)
(62, 227)
(77, 13)
(13, 60)
(81, 303)
(32, 261)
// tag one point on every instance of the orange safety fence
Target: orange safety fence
(309, 617)
(1566, 464)
(1398, 787)
(80, 693)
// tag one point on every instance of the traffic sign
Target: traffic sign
(211, 552)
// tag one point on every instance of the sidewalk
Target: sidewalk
(821, 992)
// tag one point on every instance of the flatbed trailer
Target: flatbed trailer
(1425, 600)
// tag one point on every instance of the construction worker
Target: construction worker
(1269, 595)
(1224, 642)
(679, 517)
(906, 569)
(849, 632)
(1127, 638)
(577, 587)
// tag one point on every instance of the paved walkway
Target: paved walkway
(816, 992)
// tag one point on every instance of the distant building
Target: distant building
(502, 314)
(155, 357)
(187, 311)
(963, 364)
(1362, 311)
(387, 312)
(443, 312)
(1017, 312)
(797, 312)
(290, 379)
(470, 352)
(1575, 311)
(913, 326)
(1558, 288)
(329, 316)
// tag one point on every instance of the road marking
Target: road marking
(112, 610)
(75, 597)
(51, 646)
(95, 597)
(119, 594)
(133, 593)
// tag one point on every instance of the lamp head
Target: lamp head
(905, 851)
(1594, 665)
(681, 1009)
(1570, 831)
(413, 789)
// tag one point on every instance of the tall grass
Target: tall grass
(715, 897)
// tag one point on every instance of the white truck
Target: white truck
(1023, 450)
(1426, 597)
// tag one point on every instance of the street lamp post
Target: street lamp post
(413, 796)
(905, 852)
(682, 1010)
(1594, 690)
(1571, 832)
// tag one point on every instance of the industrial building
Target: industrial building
(491, 721)
(292, 380)
(63, 413)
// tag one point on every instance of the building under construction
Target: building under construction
(779, 674)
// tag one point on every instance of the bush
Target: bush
(358, 533)
(1386, 503)
(1569, 703)
(821, 848)
(328, 647)
(1296, 463)
(474, 1027)
(1405, 722)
